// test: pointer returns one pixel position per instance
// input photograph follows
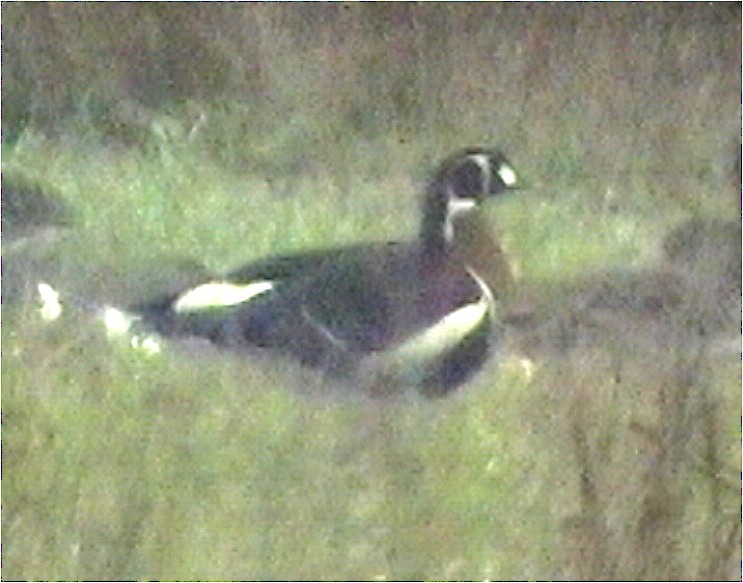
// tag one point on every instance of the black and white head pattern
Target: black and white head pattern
(470, 177)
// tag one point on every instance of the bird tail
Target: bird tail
(117, 323)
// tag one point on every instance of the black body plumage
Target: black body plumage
(412, 312)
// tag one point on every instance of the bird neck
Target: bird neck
(437, 232)
(466, 238)
(476, 245)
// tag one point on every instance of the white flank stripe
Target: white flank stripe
(443, 335)
(216, 294)
(448, 331)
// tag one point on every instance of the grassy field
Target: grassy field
(613, 452)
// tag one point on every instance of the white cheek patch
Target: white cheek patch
(507, 175)
(219, 294)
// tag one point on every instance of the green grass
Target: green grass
(210, 466)
(134, 467)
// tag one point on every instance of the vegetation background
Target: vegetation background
(167, 139)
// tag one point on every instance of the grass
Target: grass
(616, 458)
(214, 467)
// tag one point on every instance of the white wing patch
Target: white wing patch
(219, 294)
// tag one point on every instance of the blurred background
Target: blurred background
(147, 144)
